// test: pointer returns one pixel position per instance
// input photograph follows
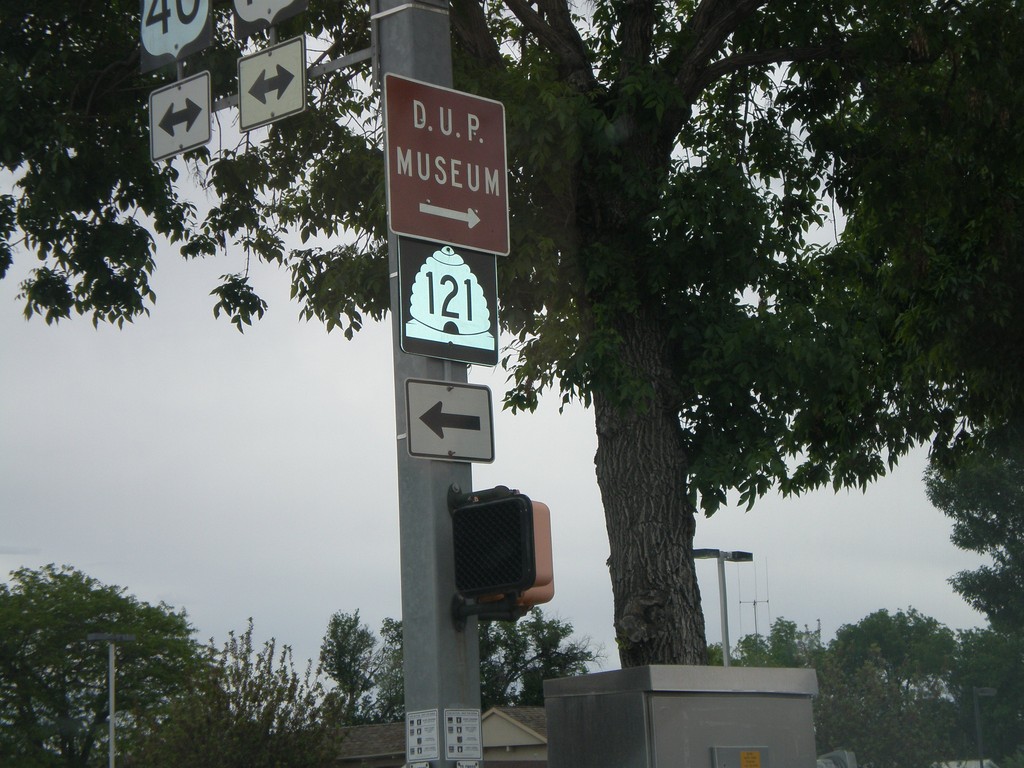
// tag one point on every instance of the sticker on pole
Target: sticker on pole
(421, 737)
(462, 737)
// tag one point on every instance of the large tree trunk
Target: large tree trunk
(641, 470)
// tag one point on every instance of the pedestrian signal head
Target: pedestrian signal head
(494, 546)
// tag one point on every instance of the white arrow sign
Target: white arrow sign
(449, 421)
(469, 215)
(272, 83)
(179, 116)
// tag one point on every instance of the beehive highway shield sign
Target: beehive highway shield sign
(449, 302)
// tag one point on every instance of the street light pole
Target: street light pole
(721, 556)
(978, 692)
(111, 641)
(723, 607)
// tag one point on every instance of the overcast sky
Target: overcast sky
(254, 476)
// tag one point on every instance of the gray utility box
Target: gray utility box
(682, 717)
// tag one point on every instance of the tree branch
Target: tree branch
(559, 35)
(636, 34)
(702, 16)
(730, 64)
(713, 22)
(714, 27)
(470, 26)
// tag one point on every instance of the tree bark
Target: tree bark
(641, 470)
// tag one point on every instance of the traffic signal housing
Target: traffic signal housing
(502, 550)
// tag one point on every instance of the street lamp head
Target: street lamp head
(106, 637)
(720, 554)
(739, 557)
(984, 691)
(705, 554)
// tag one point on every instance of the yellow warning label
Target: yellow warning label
(750, 759)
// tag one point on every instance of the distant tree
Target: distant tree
(517, 657)
(53, 683)
(987, 658)
(390, 702)
(715, 657)
(245, 708)
(897, 689)
(886, 725)
(882, 691)
(349, 656)
(785, 646)
(908, 648)
(366, 670)
(984, 497)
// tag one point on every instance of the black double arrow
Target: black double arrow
(188, 115)
(265, 85)
(438, 420)
(260, 89)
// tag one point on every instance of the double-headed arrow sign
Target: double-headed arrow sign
(449, 421)
(179, 116)
(266, 91)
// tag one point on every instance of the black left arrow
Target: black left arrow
(188, 115)
(265, 85)
(437, 420)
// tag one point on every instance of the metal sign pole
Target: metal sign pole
(442, 664)
(110, 676)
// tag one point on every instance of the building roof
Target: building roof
(358, 741)
(388, 740)
(533, 719)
